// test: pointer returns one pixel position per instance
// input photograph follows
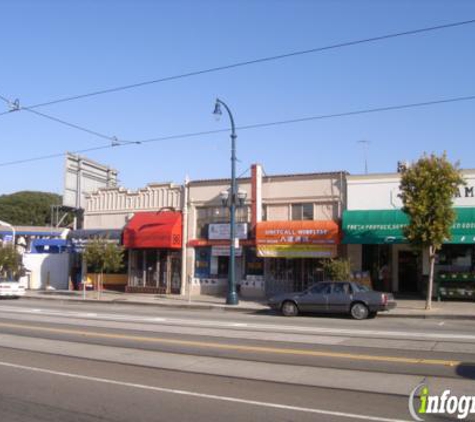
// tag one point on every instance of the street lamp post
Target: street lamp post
(4, 223)
(232, 297)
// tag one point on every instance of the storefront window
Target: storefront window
(302, 212)
(202, 262)
(254, 264)
(456, 255)
(216, 215)
(292, 275)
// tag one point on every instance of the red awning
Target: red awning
(161, 229)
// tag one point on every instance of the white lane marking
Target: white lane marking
(278, 328)
(237, 324)
(441, 323)
(201, 395)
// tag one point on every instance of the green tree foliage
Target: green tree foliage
(337, 269)
(10, 262)
(427, 191)
(103, 256)
(28, 208)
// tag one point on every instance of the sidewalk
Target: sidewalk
(406, 308)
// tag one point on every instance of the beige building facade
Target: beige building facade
(285, 226)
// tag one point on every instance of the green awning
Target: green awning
(374, 227)
(463, 230)
(378, 227)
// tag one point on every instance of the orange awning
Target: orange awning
(326, 232)
(297, 239)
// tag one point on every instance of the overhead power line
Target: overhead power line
(252, 62)
(256, 126)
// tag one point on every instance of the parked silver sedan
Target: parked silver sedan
(334, 297)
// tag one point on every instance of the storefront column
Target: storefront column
(144, 268)
(184, 240)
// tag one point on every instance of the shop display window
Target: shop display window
(202, 262)
(455, 272)
(217, 215)
(254, 264)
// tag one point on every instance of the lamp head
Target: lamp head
(242, 194)
(217, 110)
(224, 197)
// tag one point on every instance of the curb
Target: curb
(202, 306)
(436, 317)
(230, 308)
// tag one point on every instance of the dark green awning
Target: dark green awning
(463, 230)
(374, 227)
(378, 227)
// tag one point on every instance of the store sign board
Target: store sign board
(296, 251)
(381, 192)
(223, 231)
(387, 226)
(224, 251)
(297, 233)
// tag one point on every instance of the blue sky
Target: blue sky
(53, 49)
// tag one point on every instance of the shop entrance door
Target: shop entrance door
(408, 272)
(175, 277)
(151, 277)
(291, 275)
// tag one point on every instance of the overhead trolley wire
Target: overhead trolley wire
(15, 106)
(257, 126)
(252, 62)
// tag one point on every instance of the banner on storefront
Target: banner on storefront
(224, 251)
(223, 231)
(296, 251)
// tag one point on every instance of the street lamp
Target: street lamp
(4, 223)
(231, 199)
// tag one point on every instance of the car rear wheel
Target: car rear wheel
(359, 311)
(289, 308)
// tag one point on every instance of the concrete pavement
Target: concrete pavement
(407, 308)
(58, 352)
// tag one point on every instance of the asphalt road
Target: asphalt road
(74, 362)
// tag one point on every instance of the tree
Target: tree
(427, 191)
(103, 257)
(28, 208)
(10, 262)
(337, 269)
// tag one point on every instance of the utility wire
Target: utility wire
(256, 61)
(15, 106)
(258, 125)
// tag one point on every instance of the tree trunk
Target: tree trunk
(431, 278)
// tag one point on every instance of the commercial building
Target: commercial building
(150, 222)
(373, 230)
(286, 225)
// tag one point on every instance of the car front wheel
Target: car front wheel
(359, 311)
(289, 308)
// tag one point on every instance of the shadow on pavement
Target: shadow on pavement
(466, 370)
